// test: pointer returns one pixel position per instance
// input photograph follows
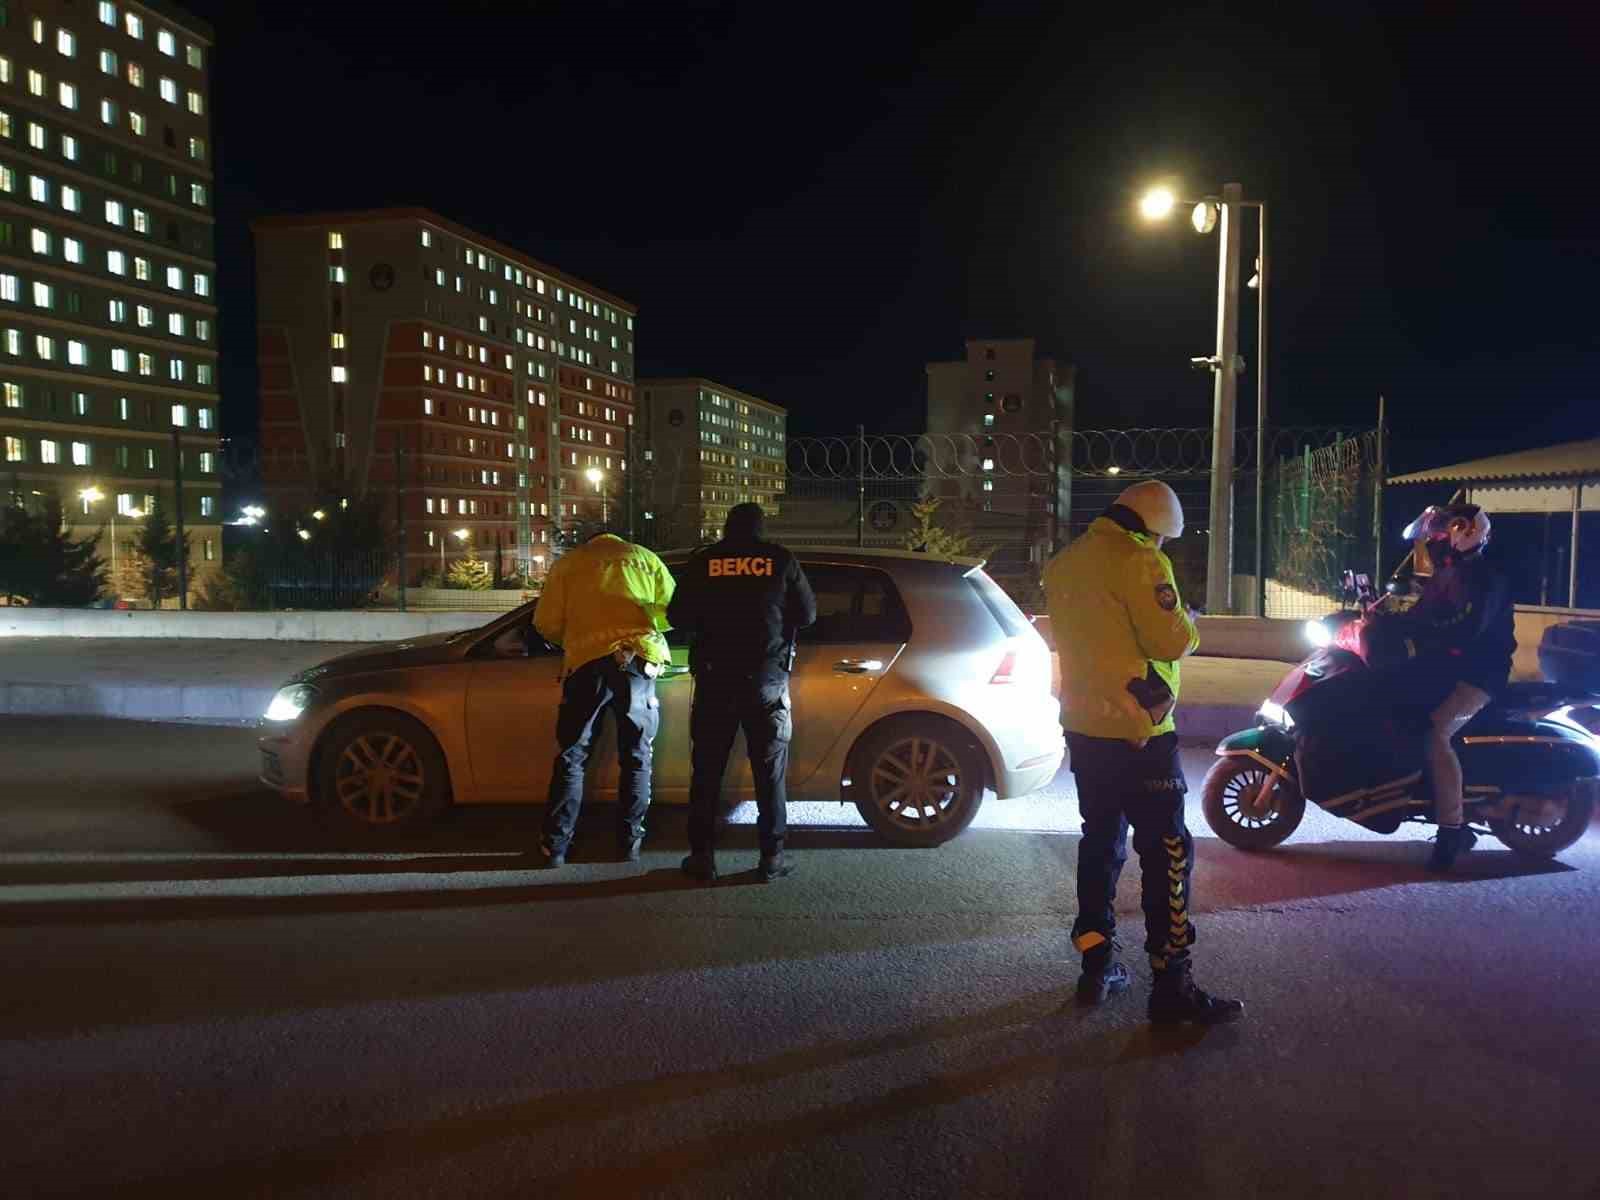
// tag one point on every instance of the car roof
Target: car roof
(851, 555)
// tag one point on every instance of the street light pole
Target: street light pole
(1261, 414)
(1219, 559)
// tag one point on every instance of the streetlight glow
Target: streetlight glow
(1204, 216)
(594, 475)
(463, 534)
(92, 494)
(320, 515)
(1157, 204)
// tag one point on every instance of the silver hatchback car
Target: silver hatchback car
(920, 687)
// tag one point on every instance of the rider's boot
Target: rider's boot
(1452, 842)
(1102, 975)
(1175, 998)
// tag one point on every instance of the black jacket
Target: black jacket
(742, 601)
(1465, 623)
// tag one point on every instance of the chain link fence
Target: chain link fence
(1010, 498)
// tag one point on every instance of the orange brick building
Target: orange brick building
(490, 395)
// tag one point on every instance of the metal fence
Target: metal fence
(1012, 498)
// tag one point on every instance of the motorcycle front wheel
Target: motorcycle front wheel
(1543, 836)
(1237, 812)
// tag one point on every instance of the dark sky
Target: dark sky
(810, 202)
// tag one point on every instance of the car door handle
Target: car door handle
(857, 666)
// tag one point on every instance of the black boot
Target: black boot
(1174, 998)
(1103, 976)
(701, 865)
(1452, 842)
(629, 847)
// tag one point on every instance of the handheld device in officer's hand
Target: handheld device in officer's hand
(1153, 695)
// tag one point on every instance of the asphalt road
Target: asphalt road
(208, 995)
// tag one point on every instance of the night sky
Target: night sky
(810, 202)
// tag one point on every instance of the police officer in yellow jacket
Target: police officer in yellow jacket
(605, 604)
(1120, 628)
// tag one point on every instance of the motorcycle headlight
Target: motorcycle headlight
(1274, 714)
(289, 702)
(1318, 634)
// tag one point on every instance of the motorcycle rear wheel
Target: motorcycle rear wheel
(1547, 841)
(1229, 782)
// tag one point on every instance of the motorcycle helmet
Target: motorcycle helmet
(1464, 526)
(1158, 507)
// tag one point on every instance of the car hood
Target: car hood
(388, 656)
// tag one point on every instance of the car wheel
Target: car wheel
(381, 770)
(917, 782)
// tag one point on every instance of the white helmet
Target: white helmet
(1157, 505)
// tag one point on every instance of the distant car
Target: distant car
(920, 686)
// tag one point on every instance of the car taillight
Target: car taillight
(1005, 672)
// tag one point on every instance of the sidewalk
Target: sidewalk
(186, 679)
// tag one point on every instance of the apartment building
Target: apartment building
(707, 447)
(487, 394)
(108, 319)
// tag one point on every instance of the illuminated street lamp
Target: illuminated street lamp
(598, 477)
(1205, 215)
(252, 514)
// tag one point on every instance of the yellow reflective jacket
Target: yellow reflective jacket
(1115, 611)
(602, 596)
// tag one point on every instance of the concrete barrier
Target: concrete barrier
(1234, 637)
(234, 626)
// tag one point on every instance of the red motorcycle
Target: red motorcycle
(1530, 760)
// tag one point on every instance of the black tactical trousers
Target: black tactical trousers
(724, 703)
(586, 695)
(1120, 785)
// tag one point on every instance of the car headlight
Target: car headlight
(1318, 634)
(289, 702)
(1274, 714)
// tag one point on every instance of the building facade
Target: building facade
(707, 447)
(1000, 427)
(487, 395)
(108, 319)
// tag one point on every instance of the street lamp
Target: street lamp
(93, 495)
(598, 477)
(252, 514)
(1204, 216)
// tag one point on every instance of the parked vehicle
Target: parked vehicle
(920, 687)
(1530, 760)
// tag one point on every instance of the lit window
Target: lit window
(141, 269)
(8, 288)
(35, 83)
(141, 221)
(39, 189)
(77, 354)
(136, 123)
(202, 284)
(8, 180)
(72, 249)
(175, 278)
(43, 295)
(114, 212)
(197, 194)
(134, 24)
(197, 149)
(108, 62)
(180, 416)
(80, 404)
(80, 454)
(5, 69)
(208, 508)
(336, 274)
(119, 362)
(167, 44)
(47, 451)
(175, 369)
(203, 416)
(117, 310)
(108, 13)
(196, 105)
(202, 330)
(108, 112)
(340, 375)
(44, 347)
(145, 315)
(16, 450)
(168, 90)
(336, 340)
(175, 323)
(427, 406)
(67, 93)
(147, 364)
(13, 394)
(136, 75)
(71, 198)
(14, 342)
(427, 238)
(202, 375)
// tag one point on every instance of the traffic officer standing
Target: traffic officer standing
(1120, 628)
(742, 600)
(604, 603)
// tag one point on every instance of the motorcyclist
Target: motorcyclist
(1460, 641)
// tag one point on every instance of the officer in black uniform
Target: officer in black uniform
(742, 600)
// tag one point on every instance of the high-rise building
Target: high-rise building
(108, 319)
(707, 447)
(487, 393)
(1000, 426)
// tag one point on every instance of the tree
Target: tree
(471, 574)
(158, 543)
(40, 563)
(928, 536)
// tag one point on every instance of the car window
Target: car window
(855, 604)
